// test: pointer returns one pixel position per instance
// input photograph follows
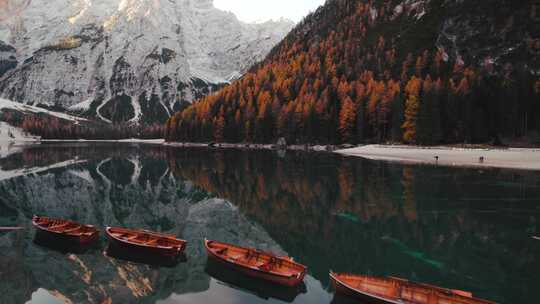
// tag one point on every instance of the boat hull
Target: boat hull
(140, 257)
(171, 253)
(344, 290)
(290, 281)
(72, 239)
(89, 235)
(261, 288)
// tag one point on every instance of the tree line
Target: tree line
(52, 127)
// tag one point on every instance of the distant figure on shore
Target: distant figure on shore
(481, 159)
(436, 158)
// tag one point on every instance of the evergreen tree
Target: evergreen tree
(347, 119)
(411, 116)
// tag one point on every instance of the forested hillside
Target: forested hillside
(419, 72)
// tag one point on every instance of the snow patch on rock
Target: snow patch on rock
(416, 8)
(8, 104)
(71, 53)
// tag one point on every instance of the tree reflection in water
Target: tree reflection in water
(460, 228)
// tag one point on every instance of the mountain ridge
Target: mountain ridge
(126, 60)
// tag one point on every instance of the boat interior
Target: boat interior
(65, 227)
(146, 238)
(255, 258)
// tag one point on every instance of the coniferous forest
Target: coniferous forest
(51, 127)
(375, 71)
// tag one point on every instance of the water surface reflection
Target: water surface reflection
(460, 228)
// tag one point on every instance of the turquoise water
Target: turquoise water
(465, 229)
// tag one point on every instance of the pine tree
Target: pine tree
(347, 119)
(411, 116)
(411, 110)
(424, 120)
(398, 112)
(219, 127)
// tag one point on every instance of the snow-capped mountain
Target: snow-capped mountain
(125, 60)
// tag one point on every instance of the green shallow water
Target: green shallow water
(459, 228)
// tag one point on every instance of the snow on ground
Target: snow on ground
(137, 115)
(98, 112)
(8, 104)
(12, 139)
(83, 174)
(527, 159)
(82, 106)
(9, 133)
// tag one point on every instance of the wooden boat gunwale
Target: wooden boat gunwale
(180, 248)
(254, 268)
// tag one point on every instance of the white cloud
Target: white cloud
(263, 10)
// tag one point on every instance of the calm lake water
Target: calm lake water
(466, 229)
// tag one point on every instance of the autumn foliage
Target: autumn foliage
(341, 77)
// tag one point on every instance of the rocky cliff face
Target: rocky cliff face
(8, 59)
(125, 60)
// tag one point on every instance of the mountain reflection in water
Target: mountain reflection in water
(466, 229)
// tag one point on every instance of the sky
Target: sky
(263, 10)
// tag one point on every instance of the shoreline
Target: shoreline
(246, 146)
(450, 156)
(507, 158)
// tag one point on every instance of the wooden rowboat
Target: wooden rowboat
(145, 241)
(256, 263)
(65, 230)
(231, 278)
(398, 291)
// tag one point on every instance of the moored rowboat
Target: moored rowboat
(398, 291)
(258, 264)
(66, 230)
(147, 241)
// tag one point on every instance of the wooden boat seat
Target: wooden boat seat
(152, 242)
(58, 225)
(61, 229)
(72, 229)
(222, 251)
(268, 266)
(252, 254)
